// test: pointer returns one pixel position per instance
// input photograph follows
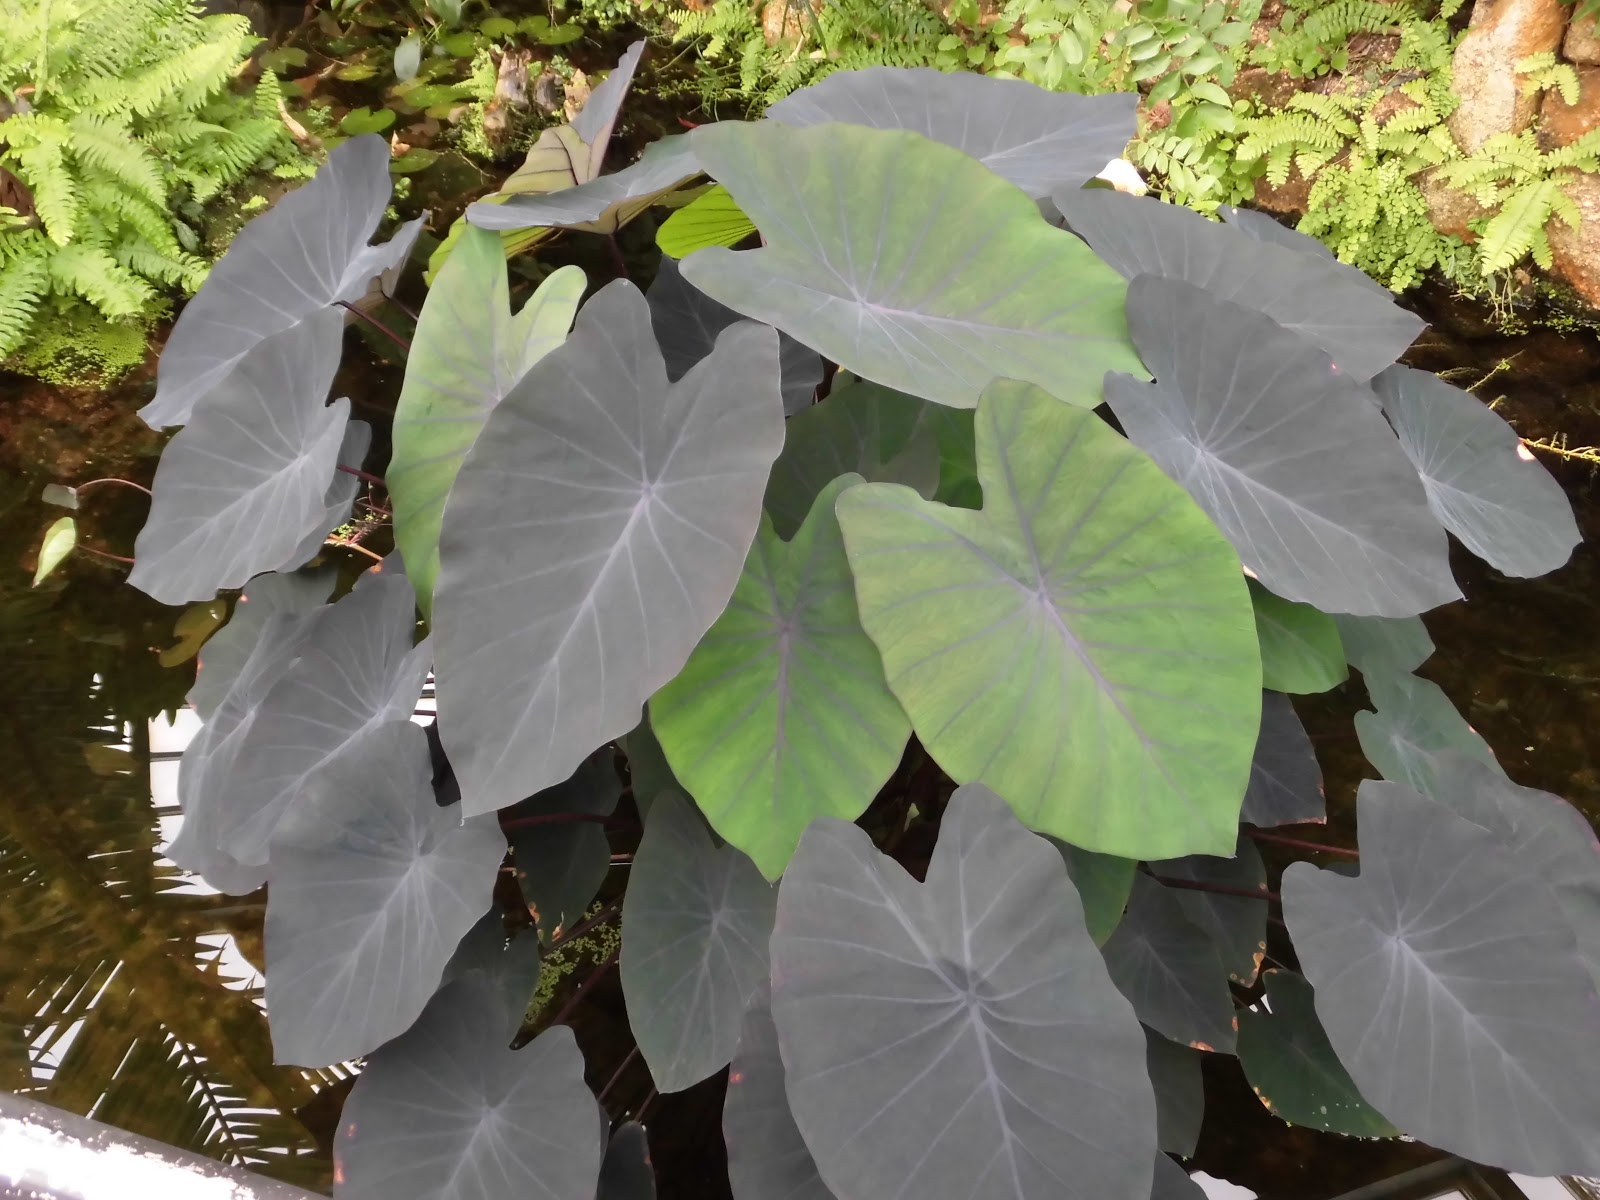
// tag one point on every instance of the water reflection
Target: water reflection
(116, 999)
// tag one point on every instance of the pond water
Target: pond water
(127, 994)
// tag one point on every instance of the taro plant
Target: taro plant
(926, 587)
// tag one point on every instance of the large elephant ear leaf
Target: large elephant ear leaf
(861, 428)
(1285, 779)
(695, 924)
(1103, 882)
(1110, 697)
(468, 352)
(373, 887)
(1552, 840)
(857, 223)
(357, 670)
(767, 1157)
(1414, 721)
(242, 486)
(597, 528)
(1485, 486)
(1410, 960)
(508, 963)
(991, 1054)
(1169, 970)
(1292, 1068)
(1323, 302)
(226, 652)
(687, 322)
(446, 1112)
(1347, 533)
(1037, 139)
(781, 713)
(305, 253)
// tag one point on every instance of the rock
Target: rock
(1292, 199)
(781, 22)
(1583, 42)
(1576, 252)
(1563, 123)
(1271, 88)
(1502, 32)
(1449, 209)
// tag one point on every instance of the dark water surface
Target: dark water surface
(121, 992)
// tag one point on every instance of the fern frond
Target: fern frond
(89, 271)
(1518, 228)
(23, 284)
(104, 145)
(38, 154)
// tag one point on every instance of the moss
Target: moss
(77, 347)
(590, 950)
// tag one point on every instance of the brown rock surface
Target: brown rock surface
(1583, 42)
(1501, 33)
(1564, 124)
(1449, 209)
(1577, 251)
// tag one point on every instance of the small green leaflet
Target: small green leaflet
(59, 541)
(1083, 644)
(710, 219)
(469, 351)
(1300, 648)
(781, 713)
(1292, 1067)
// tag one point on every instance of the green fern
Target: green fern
(1542, 73)
(119, 112)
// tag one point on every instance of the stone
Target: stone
(1450, 210)
(1501, 33)
(1561, 123)
(1291, 199)
(1576, 252)
(1583, 42)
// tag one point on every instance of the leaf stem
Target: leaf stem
(105, 554)
(365, 476)
(84, 487)
(1220, 889)
(617, 1074)
(1277, 839)
(555, 819)
(617, 261)
(376, 324)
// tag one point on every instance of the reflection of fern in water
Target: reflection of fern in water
(115, 114)
(813, 40)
